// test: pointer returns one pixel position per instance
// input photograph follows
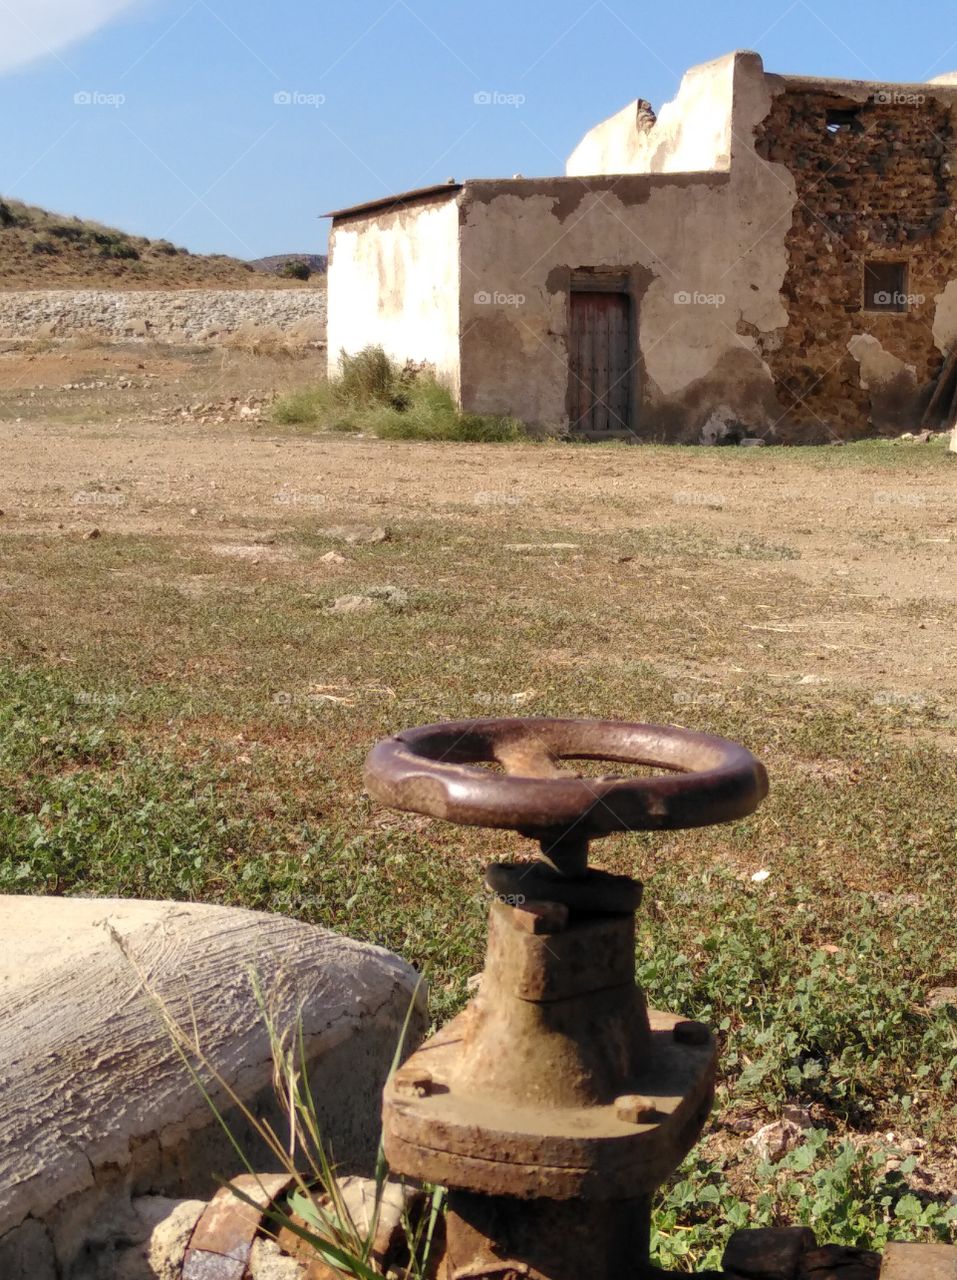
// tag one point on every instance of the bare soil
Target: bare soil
(864, 555)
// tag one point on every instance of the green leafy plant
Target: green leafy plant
(844, 1190)
(296, 271)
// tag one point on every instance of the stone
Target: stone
(767, 1253)
(942, 998)
(96, 1106)
(394, 597)
(333, 557)
(268, 1262)
(773, 1141)
(353, 534)
(919, 1262)
(953, 441)
(159, 1248)
(397, 1200)
(165, 315)
(26, 1253)
(353, 604)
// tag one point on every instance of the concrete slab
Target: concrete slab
(96, 1106)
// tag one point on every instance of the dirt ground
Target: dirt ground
(163, 441)
(206, 620)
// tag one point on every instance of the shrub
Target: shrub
(374, 394)
(7, 217)
(370, 379)
(120, 249)
(296, 271)
(67, 231)
(45, 246)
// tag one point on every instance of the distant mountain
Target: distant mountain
(318, 263)
(43, 250)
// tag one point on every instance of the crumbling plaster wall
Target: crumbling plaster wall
(884, 190)
(394, 282)
(692, 134)
(704, 254)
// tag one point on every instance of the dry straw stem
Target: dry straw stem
(318, 1197)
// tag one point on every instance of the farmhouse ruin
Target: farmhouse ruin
(770, 256)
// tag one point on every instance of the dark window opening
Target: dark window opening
(885, 286)
(844, 120)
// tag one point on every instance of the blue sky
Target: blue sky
(162, 116)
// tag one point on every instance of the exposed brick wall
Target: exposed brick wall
(883, 189)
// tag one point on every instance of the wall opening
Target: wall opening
(885, 286)
(600, 359)
(844, 120)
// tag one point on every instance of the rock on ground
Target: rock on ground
(96, 1106)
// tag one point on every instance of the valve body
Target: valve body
(556, 1102)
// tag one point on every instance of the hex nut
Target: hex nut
(634, 1108)
(415, 1083)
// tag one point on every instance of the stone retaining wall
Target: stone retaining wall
(164, 314)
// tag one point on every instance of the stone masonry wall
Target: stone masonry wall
(882, 189)
(166, 315)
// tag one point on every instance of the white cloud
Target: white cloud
(33, 29)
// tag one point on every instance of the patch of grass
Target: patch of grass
(376, 396)
(845, 1192)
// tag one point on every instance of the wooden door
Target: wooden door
(600, 360)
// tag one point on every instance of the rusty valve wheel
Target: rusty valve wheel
(433, 770)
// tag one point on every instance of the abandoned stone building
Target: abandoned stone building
(770, 256)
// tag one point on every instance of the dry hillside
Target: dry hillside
(42, 250)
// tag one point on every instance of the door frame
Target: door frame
(606, 280)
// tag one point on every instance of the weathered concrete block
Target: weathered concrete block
(96, 1106)
(767, 1253)
(919, 1262)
